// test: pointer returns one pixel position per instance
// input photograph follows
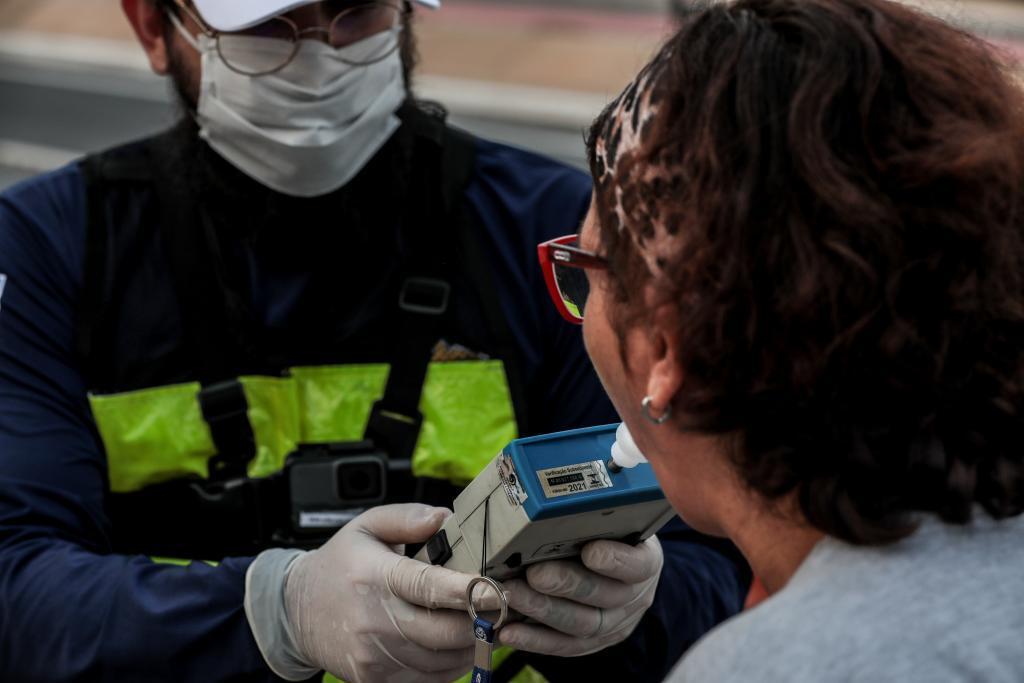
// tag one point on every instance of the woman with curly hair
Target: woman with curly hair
(805, 267)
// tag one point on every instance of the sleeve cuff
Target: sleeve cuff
(268, 618)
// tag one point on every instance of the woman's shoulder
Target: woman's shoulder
(942, 605)
(772, 642)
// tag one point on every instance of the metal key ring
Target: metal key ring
(498, 588)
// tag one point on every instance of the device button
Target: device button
(438, 549)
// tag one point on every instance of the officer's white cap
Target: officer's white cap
(235, 15)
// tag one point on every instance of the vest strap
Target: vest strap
(226, 411)
(395, 420)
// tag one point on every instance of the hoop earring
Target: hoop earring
(645, 406)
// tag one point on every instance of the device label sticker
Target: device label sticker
(578, 478)
(328, 519)
(510, 480)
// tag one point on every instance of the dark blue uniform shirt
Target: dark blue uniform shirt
(69, 609)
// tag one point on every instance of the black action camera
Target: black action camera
(330, 484)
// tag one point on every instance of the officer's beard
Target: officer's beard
(184, 83)
(209, 176)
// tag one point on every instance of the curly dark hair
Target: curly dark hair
(850, 273)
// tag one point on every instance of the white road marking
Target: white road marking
(34, 158)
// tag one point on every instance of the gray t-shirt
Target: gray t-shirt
(946, 604)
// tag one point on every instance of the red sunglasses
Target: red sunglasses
(563, 264)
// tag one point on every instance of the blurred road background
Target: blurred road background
(530, 73)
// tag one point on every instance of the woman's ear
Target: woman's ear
(665, 378)
(147, 19)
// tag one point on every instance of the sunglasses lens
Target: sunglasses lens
(573, 287)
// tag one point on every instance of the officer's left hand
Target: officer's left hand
(584, 607)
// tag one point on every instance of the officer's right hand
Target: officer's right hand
(360, 610)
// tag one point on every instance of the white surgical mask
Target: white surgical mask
(309, 128)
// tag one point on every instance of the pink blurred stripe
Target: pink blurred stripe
(1015, 49)
(542, 17)
(550, 17)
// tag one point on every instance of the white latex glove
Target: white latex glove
(359, 609)
(581, 608)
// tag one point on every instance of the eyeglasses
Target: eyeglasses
(350, 25)
(563, 263)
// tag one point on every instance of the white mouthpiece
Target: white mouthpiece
(624, 451)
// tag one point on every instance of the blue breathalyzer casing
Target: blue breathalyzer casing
(543, 498)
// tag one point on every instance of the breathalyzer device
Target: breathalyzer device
(545, 497)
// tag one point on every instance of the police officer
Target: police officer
(311, 305)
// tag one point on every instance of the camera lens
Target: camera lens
(360, 481)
